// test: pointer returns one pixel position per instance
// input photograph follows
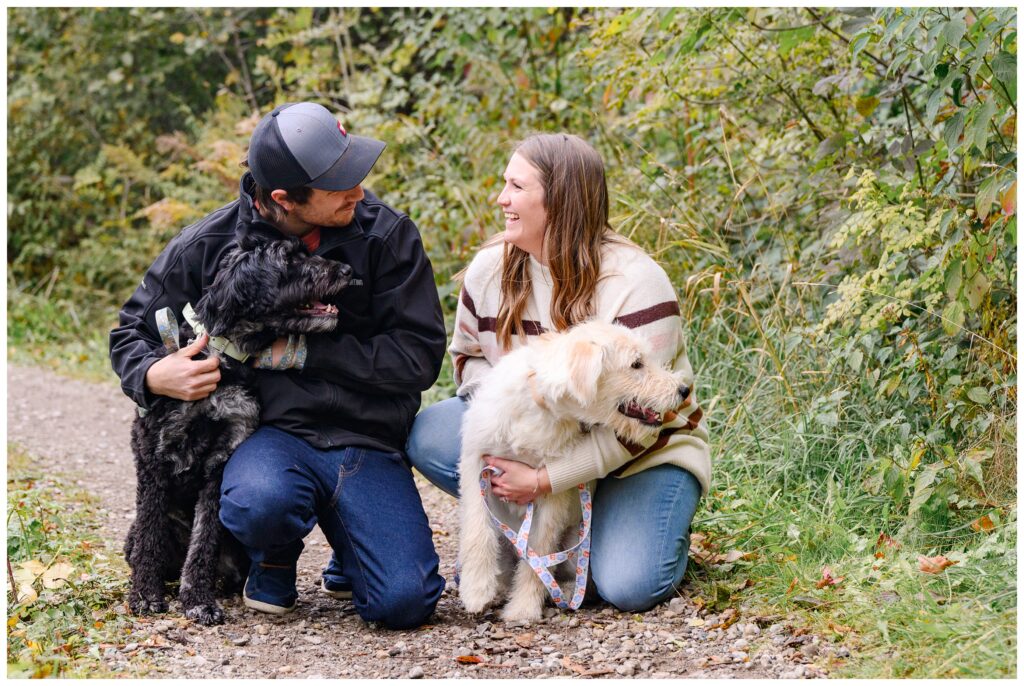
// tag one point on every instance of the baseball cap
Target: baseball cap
(302, 144)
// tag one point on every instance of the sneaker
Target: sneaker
(271, 588)
(334, 582)
(336, 588)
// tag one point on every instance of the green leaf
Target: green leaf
(954, 277)
(978, 132)
(1004, 66)
(953, 318)
(979, 395)
(666, 22)
(865, 106)
(793, 37)
(952, 130)
(923, 486)
(977, 287)
(934, 100)
(855, 360)
(859, 44)
(954, 31)
(986, 196)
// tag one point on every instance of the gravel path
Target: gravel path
(83, 429)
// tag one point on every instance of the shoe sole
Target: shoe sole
(337, 595)
(268, 608)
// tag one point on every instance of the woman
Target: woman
(558, 263)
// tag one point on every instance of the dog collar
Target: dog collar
(218, 343)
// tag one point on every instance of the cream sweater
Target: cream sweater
(634, 291)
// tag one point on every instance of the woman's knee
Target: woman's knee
(636, 590)
(435, 441)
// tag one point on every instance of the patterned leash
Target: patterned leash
(540, 564)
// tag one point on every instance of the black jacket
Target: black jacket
(361, 384)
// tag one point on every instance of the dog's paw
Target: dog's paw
(207, 615)
(477, 594)
(147, 606)
(522, 611)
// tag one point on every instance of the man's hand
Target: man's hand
(179, 376)
(519, 482)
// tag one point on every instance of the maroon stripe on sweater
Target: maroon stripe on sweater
(531, 327)
(651, 314)
(468, 302)
(691, 423)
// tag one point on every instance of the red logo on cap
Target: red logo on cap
(340, 128)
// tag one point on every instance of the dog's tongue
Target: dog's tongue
(646, 414)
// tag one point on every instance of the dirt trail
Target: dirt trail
(83, 430)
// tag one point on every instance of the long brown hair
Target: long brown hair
(576, 201)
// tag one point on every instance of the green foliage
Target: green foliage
(832, 190)
(58, 622)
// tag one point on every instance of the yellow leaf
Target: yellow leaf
(57, 575)
(695, 621)
(1009, 200)
(177, 38)
(468, 659)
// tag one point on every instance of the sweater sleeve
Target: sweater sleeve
(468, 359)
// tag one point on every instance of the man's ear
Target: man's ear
(280, 196)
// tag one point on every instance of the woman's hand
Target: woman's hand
(519, 483)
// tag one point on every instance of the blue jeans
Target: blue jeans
(277, 486)
(641, 524)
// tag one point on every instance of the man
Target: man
(334, 423)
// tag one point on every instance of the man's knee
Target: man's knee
(262, 516)
(405, 605)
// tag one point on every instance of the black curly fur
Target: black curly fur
(181, 447)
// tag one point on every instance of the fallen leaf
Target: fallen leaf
(468, 659)
(879, 555)
(695, 621)
(792, 585)
(57, 575)
(569, 664)
(808, 601)
(888, 541)
(934, 565)
(828, 578)
(839, 628)
(524, 640)
(983, 524)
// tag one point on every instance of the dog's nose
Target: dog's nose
(684, 392)
(344, 271)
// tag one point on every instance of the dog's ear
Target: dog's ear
(586, 358)
(570, 368)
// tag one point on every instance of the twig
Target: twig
(14, 584)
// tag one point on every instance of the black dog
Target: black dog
(263, 290)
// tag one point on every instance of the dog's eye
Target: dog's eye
(639, 364)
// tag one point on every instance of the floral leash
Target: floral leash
(540, 564)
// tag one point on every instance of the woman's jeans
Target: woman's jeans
(641, 526)
(277, 486)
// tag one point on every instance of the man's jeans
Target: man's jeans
(641, 527)
(277, 486)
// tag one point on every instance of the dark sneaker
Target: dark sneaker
(336, 588)
(334, 582)
(271, 588)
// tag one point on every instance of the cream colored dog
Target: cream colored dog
(535, 403)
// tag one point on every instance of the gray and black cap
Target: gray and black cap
(302, 144)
